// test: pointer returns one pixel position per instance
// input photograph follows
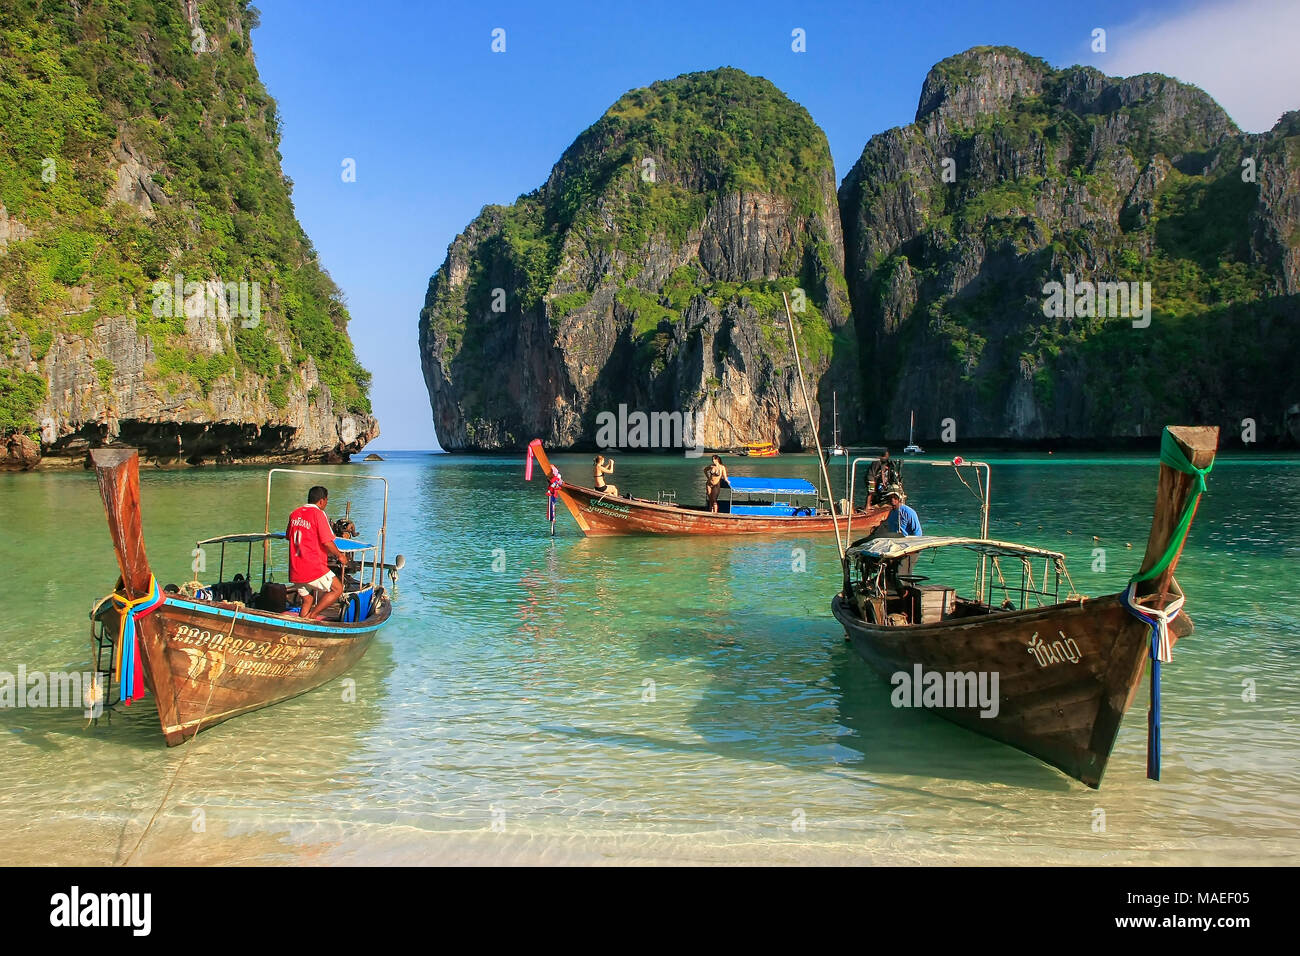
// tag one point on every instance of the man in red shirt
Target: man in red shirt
(311, 543)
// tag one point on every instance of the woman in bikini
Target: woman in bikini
(604, 466)
(714, 475)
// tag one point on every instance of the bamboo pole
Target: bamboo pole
(798, 364)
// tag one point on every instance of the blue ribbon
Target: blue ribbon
(129, 611)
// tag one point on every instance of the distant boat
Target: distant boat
(836, 449)
(912, 448)
(758, 449)
(752, 505)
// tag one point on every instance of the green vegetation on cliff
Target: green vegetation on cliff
(652, 166)
(91, 87)
(953, 229)
(651, 261)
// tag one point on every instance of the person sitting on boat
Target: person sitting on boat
(311, 545)
(714, 475)
(902, 519)
(604, 466)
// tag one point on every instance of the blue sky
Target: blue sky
(440, 126)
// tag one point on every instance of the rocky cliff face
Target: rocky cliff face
(155, 287)
(648, 271)
(1014, 176)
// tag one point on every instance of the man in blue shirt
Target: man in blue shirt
(902, 519)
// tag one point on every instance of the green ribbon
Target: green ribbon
(1172, 455)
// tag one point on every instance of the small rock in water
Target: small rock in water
(372, 457)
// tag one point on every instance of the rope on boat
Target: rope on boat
(184, 757)
(1158, 619)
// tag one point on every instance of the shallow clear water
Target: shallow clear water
(630, 699)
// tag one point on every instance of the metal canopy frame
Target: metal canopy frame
(956, 464)
(383, 530)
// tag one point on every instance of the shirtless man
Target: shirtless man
(714, 475)
(604, 466)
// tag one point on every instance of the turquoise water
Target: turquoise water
(634, 699)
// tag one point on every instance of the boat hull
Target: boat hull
(598, 514)
(207, 663)
(1066, 673)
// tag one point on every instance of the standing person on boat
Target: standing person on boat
(604, 466)
(714, 475)
(883, 474)
(311, 544)
(902, 519)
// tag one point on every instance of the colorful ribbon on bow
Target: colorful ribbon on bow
(128, 665)
(552, 491)
(1158, 620)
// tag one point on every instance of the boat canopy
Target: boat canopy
(901, 547)
(347, 544)
(749, 485)
(257, 537)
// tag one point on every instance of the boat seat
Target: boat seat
(935, 602)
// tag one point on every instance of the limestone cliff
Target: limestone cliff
(1014, 176)
(648, 271)
(155, 287)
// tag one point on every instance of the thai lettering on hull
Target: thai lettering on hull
(1057, 652)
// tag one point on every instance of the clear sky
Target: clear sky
(439, 125)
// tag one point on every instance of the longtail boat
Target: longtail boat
(599, 513)
(206, 656)
(1065, 671)
(757, 449)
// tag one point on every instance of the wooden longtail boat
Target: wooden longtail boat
(207, 660)
(598, 513)
(1066, 670)
(757, 449)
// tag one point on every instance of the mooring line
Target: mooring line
(186, 756)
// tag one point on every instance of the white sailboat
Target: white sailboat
(836, 447)
(912, 448)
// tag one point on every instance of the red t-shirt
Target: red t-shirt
(307, 532)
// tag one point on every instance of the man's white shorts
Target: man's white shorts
(322, 583)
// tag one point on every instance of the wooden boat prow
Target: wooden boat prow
(1067, 671)
(207, 661)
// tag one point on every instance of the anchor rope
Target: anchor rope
(212, 686)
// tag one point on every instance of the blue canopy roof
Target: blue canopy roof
(770, 486)
(347, 544)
